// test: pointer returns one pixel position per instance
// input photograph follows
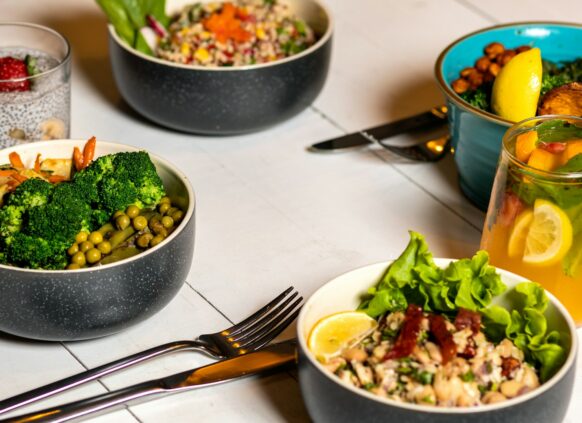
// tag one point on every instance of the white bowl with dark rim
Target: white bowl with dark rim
(224, 100)
(70, 305)
(328, 399)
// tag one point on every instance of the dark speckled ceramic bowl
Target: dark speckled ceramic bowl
(88, 303)
(328, 399)
(225, 100)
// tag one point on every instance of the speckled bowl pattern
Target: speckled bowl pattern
(72, 305)
(225, 100)
(476, 135)
(328, 399)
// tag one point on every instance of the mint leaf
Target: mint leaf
(557, 130)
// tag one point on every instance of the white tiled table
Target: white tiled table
(270, 214)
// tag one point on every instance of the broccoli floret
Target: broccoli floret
(116, 193)
(31, 193)
(59, 220)
(87, 180)
(36, 253)
(138, 168)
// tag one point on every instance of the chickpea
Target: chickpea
(505, 57)
(73, 266)
(167, 222)
(122, 221)
(95, 237)
(494, 69)
(467, 71)
(143, 241)
(85, 246)
(493, 397)
(475, 79)
(104, 247)
(511, 388)
(156, 240)
(482, 64)
(139, 223)
(357, 354)
(521, 49)
(93, 255)
(460, 85)
(73, 249)
(132, 211)
(81, 236)
(163, 207)
(78, 259)
(494, 49)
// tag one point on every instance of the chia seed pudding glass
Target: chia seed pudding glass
(35, 84)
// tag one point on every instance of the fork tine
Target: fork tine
(266, 329)
(266, 318)
(233, 330)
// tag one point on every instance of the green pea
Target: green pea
(93, 255)
(117, 214)
(159, 229)
(132, 211)
(171, 210)
(85, 246)
(95, 237)
(73, 249)
(122, 221)
(143, 241)
(167, 222)
(139, 223)
(81, 236)
(163, 207)
(104, 247)
(165, 199)
(73, 266)
(78, 258)
(156, 240)
(178, 215)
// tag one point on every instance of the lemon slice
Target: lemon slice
(518, 236)
(517, 87)
(337, 331)
(550, 235)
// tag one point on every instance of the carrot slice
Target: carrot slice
(89, 151)
(77, 158)
(7, 172)
(15, 160)
(55, 179)
(37, 163)
(18, 177)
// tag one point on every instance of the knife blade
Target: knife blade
(269, 358)
(432, 118)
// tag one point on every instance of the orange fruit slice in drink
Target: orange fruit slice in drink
(337, 331)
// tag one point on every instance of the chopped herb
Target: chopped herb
(488, 367)
(404, 370)
(300, 27)
(369, 386)
(494, 387)
(468, 377)
(482, 389)
(478, 98)
(428, 399)
(425, 377)
(388, 333)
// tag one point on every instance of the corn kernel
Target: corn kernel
(261, 33)
(202, 54)
(205, 35)
(185, 49)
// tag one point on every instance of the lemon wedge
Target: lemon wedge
(518, 236)
(337, 331)
(550, 235)
(516, 88)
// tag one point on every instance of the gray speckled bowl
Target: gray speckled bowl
(328, 399)
(225, 100)
(88, 303)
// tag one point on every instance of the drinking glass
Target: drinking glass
(35, 106)
(534, 221)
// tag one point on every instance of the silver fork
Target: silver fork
(252, 333)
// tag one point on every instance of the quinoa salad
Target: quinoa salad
(244, 32)
(424, 358)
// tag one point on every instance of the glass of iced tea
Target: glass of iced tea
(534, 221)
(35, 94)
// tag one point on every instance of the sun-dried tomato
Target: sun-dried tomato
(408, 335)
(508, 365)
(470, 349)
(443, 337)
(468, 319)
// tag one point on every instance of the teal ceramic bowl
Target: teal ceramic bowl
(476, 135)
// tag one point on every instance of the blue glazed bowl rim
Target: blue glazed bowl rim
(321, 42)
(188, 215)
(458, 101)
(568, 365)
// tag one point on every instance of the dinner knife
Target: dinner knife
(432, 118)
(269, 358)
